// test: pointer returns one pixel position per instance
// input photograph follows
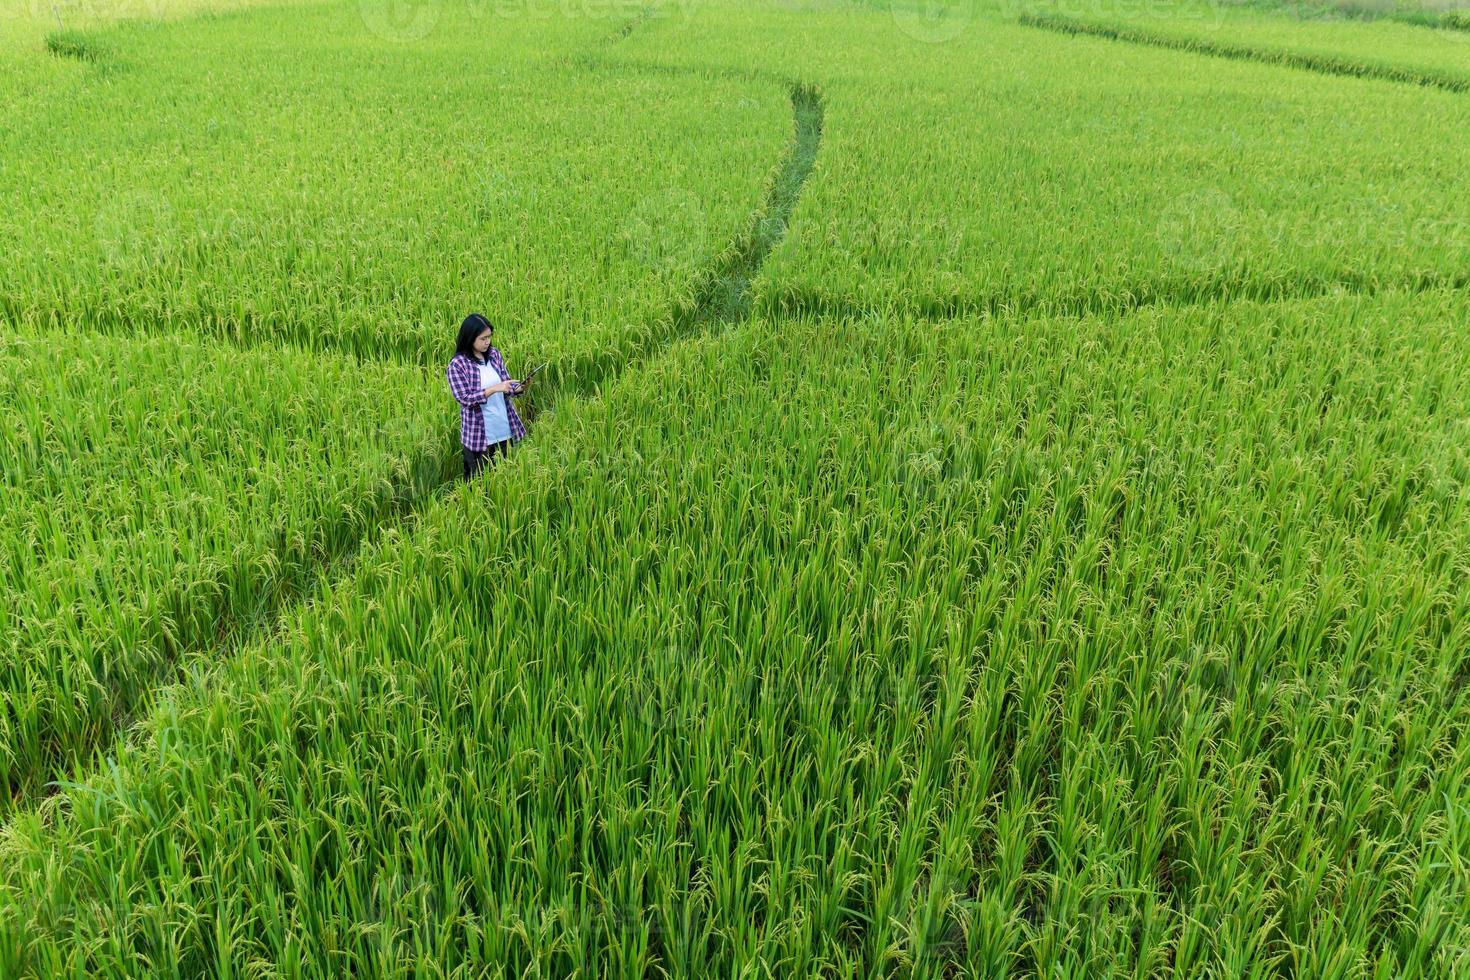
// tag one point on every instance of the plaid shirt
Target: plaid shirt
(465, 386)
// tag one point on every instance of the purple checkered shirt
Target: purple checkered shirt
(464, 385)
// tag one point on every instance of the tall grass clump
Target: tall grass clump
(82, 45)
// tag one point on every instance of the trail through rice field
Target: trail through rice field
(721, 298)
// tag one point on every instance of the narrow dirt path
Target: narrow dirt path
(722, 292)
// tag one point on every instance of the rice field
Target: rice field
(999, 506)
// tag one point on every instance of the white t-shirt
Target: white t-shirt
(497, 419)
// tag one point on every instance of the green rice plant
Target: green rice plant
(1455, 20)
(871, 647)
(1085, 596)
(81, 45)
(163, 498)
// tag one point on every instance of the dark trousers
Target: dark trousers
(477, 460)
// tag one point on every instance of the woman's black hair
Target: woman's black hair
(473, 325)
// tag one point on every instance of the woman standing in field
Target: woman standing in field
(478, 380)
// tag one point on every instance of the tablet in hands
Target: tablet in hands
(520, 386)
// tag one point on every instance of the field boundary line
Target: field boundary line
(1320, 64)
(805, 302)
